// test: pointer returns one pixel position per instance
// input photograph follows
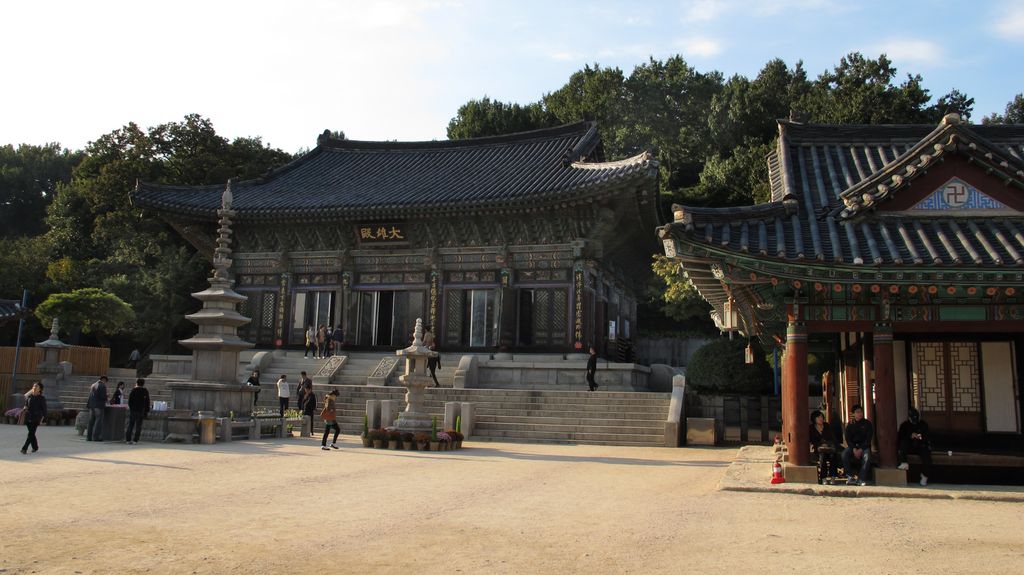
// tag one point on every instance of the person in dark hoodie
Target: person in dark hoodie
(859, 432)
(308, 403)
(592, 369)
(914, 437)
(823, 446)
(138, 410)
(35, 406)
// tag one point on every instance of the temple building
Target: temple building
(898, 249)
(529, 241)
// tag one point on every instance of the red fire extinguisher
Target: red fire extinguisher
(777, 473)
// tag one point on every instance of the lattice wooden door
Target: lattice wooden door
(947, 386)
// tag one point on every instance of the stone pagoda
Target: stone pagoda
(215, 348)
(415, 380)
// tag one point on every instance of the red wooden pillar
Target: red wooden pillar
(794, 394)
(885, 396)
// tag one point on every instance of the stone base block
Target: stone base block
(890, 477)
(800, 473)
(701, 431)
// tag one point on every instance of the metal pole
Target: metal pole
(17, 344)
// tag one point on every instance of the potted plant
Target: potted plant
(433, 434)
(407, 441)
(367, 441)
(422, 440)
(379, 438)
(394, 439)
(457, 438)
(444, 441)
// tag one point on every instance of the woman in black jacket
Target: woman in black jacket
(35, 407)
(308, 405)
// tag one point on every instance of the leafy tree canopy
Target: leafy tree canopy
(90, 310)
(719, 367)
(1013, 114)
(29, 176)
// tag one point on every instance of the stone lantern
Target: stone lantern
(53, 372)
(416, 381)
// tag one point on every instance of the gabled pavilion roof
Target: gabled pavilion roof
(860, 207)
(367, 179)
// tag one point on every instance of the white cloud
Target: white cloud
(913, 51)
(1009, 23)
(705, 10)
(699, 46)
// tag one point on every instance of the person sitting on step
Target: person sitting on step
(859, 432)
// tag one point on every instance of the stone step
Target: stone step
(485, 427)
(519, 416)
(536, 395)
(568, 437)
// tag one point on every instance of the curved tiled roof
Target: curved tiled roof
(832, 177)
(341, 177)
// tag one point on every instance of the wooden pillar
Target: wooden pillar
(866, 373)
(885, 396)
(794, 394)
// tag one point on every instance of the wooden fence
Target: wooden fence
(86, 360)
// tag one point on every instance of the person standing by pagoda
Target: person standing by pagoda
(283, 393)
(330, 416)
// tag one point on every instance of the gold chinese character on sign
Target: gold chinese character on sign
(382, 233)
(365, 234)
(395, 234)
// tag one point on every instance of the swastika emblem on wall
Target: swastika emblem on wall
(955, 194)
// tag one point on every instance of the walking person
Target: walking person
(308, 404)
(434, 363)
(97, 401)
(300, 389)
(35, 413)
(283, 393)
(321, 342)
(330, 416)
(336, 337)
(254, 381)
(138, 410)
(592, 369)
(310, 342)
(118, 394)
(133, 359)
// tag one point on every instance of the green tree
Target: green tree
(860, 90)
(90, 310)
(592, 94)
(100, 240)
(486, 117)
(675, 294)
(29, 176)
(719, 367)
(24, 262)
(1013, 114)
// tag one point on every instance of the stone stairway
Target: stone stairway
(618, 418)
(75, 391)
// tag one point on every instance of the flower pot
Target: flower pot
(367, 442)
(435, 446)
(393, 444)
(423, 446)
(458, 445)
(409, 445)
(379, 443)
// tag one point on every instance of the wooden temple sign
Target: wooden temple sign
(381, 234)
(578, 311)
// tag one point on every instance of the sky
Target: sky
(399, 69)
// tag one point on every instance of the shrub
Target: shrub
(718, 367)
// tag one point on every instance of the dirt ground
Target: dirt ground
(284, 506)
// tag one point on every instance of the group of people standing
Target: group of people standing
(323, 341)
(913, 438)
(306, 402)
(139, 405)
